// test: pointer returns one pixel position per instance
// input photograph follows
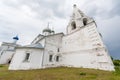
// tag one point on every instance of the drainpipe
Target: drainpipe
(43, 54)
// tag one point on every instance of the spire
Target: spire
(52, 31)
(48, 25)
(47, 30)
(77, 13)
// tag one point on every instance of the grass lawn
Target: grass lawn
(61, 73)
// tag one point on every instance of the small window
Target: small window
(50, 58)
(57, 58)
(27, 57)
(84, 21)
(73, 24)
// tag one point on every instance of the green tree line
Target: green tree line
(116, 62)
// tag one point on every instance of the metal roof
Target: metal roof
(38, 45)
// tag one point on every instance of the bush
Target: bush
(82, 73)
(116, 62)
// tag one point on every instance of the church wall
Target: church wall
(34, 61)
(84, 38)
(6, 52)
(94, 36)
(6, 57)
(42, 42)
(104, 60)
(51, 48)
(77, 59)
(87, 59)
(5, 47)
(75, 41)
(77, 47)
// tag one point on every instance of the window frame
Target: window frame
(57, 58)
(85, 21)
(73, 25)
(50, 58)
(27, 57)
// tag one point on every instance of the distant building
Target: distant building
(7, 51)
(82, 46)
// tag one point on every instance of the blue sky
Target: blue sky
(27, 18)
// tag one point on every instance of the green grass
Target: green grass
(61, 73)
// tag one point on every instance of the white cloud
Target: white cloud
(27, 18)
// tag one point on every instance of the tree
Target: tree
(116, 62)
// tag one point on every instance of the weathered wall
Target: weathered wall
(52, 44)
(6, 57)
(82, 47)
(6, 52)
(34, 62)
(42, 42)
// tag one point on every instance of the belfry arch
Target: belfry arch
(84, 21)
(73, 25)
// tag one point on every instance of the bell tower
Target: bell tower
(78, 20)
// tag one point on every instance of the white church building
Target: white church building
(80, 47)
(7, 50)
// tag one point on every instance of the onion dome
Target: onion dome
(74, 5)
(16, 38)
(47, 30)
(52, 31)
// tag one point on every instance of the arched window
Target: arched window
(73, 24)
(85, 21)
(50, 58)
(57, 58)
(27, 56)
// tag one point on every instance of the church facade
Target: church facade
(81, 47)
